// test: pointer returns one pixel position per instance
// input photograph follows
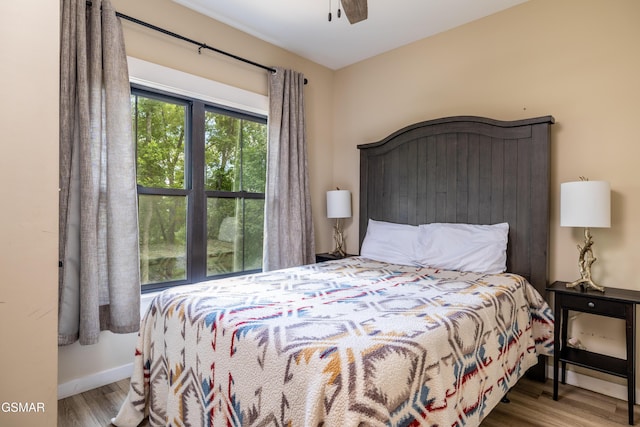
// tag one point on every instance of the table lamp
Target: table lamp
(338, 207)
(585, 204)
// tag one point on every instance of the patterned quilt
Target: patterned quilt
(343, 343)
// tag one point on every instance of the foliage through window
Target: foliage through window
(201, 172)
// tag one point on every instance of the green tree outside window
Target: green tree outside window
(231, 158)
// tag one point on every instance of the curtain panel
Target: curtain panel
(99, 280)
(288, 231)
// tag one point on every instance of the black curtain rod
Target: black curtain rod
(197, 43)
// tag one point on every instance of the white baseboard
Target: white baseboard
(608, 388)
(92, 381)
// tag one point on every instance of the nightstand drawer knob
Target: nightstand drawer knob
(591, 304)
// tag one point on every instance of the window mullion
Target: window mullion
(197, 199)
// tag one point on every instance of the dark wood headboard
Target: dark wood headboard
(466, 170)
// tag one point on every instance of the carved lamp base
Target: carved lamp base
(586, 284)
(338, 237)
(585, 260)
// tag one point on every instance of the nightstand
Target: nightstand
(617, 303)
(330, 257)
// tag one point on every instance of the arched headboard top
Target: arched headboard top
(466, 169)
(475, 124)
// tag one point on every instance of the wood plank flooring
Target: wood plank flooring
(531, 406)
(93, 408)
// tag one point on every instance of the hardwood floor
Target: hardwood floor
(531, 405)
(93, 408)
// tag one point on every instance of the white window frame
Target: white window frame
(178, 82)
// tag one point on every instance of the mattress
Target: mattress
(341, 343)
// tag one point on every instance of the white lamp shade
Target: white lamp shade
(339, 204)
(585, 204)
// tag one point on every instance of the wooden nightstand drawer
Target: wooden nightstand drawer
(594, 305)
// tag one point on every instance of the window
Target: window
(201, 173)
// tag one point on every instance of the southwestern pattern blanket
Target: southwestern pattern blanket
(343, 343)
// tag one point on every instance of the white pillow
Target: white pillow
(390, 242)
(464, 247)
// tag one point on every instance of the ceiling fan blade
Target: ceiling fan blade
(356, 10)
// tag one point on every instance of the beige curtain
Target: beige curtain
(288, 237)
(99, 282)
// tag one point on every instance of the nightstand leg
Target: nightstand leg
(630, 316)
(555, 377)
(563, 341)
(556, 347)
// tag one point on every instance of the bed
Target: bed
(363, 341)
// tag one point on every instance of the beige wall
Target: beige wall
(29, 197)
(574, 59)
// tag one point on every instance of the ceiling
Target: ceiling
(302, 27)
